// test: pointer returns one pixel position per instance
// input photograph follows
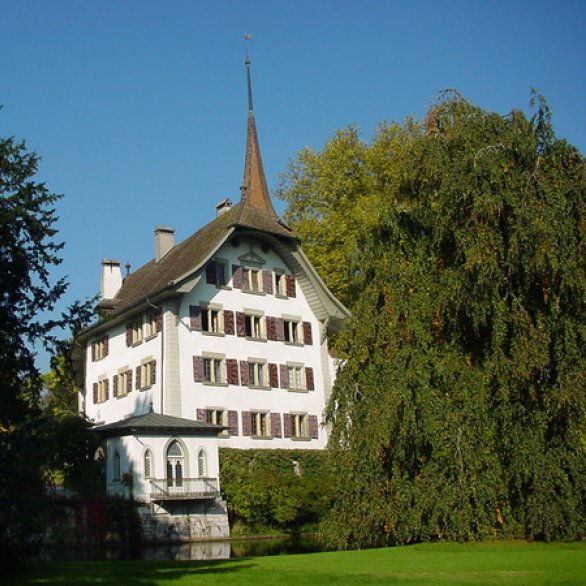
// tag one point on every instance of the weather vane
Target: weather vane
(247, 37)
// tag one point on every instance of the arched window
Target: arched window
(202, 463)
(116, 467)
(148, 464)
(174, 465)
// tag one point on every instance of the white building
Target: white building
(227, 328)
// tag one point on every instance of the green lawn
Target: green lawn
(485, 563)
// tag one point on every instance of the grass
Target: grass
(440, 563)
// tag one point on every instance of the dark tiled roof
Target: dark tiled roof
(189, 255)
(155, 423)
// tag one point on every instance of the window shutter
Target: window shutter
(115, 386)
(228, 322)
(211, 273)
(198, 369)
(307, 336)
(284, 376)
(271, 328)
(237, 276)
(201, 415)
(106, 345)
(244, 375)
(273, 376)
(195, 317)
(313, 432)
(290, 280)
(95, 393)
(129, 381)
(93, 351)
(153, 372)
(232, 371)
(106, 392)
(267, 282)
(286, 425)
(240, 324)
(246, 423)
(159, 321)
(276, 424)
(233, 422)
(129, 334)
(137, 373)
(280, 329)
(309, 383)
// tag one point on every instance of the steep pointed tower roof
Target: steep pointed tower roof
(254, 191)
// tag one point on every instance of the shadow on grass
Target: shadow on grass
(120, 573)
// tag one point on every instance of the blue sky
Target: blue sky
(138, 108)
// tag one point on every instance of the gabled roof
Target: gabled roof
(157, 424)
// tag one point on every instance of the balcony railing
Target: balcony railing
(164, 489)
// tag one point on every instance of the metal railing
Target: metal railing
(184, 488)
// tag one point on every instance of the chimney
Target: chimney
(111, 280)
(223, 206)
(164, 241)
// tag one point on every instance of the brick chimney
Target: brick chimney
(164, 241)
(111, 278)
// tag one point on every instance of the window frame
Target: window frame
(258, 373)
(247, 279)
(209, 311)
(209, 368)
(300, 423)
(260, 421)
(300, 382)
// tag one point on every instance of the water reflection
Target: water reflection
(215, 550)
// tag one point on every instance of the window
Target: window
(146, 374)
(280, 285)
(252, 280)
(122, 383)
(148, 464)
(260, 424)
(296, 376)
(292, 331)
(101, 391)
(211, 320)
(217, 417)
(254, 326)
(257, 373)
(202, 463)
(214, 370)
(136, 329)
(150, 329)
(221, 273)
(300, 426)
(174, 467)
(100, 349)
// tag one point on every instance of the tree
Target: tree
(28, 253)
(460, 409)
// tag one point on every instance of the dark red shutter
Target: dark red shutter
(106, 345)
(290, 280)
(233, 422)
(115, 386)
(198, 369)
(129, 381)
(201, 415)
(280, 329)
(267, 282)
(228, 322)
(284, 376)
(95, 393)
(129, 334)
(313, 432)
(153, 372)
(273, 376)
(246, 423)
(271, 328)
(276, 424)
(195, 317)
(159, 321)
(106, 385)
(211, 273)
(307, 336)
(237, 276)
(244, 374)
(232, 371)
(309, 383)
(137, 374)
(240, 324)
(286, 425)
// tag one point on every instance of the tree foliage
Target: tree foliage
(459, 243)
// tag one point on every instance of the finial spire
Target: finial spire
(254, 188)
